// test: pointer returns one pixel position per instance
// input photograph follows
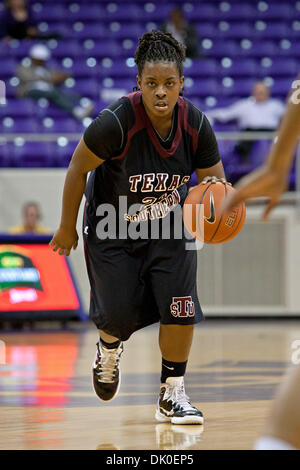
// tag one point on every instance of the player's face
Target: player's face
(160, 85)
(260, 92)
(31, 216)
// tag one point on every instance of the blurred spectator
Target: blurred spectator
(39, 81)
(31, 216)
(17, 22)
(183, 31)
(257, 113)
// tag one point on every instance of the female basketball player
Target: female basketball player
(145, 147)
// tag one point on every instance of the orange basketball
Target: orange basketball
(202, 214)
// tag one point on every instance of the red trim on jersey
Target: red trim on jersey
(142, 121)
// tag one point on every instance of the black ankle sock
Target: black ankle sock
(172, 369)
(110, 345)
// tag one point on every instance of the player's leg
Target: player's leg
(114, 308)
(114, 302)
(282, 430)
(174, 285)
(175, 341)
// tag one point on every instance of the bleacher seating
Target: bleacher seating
(240, 42)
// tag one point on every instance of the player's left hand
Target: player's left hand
(214, 179)
(261, 182)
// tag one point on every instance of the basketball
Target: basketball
(202, 214)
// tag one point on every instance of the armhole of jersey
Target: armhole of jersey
(201, 120)
(200, 116)
(119, 124)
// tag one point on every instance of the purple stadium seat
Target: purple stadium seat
(274, 31)
(159, 13)
(19, 125)
(80, 68)
(65, 124)
(248, 33)
(62, 154)
(17, 108)
(108, 48)
(222, 49)
(202, 87)
(242, 11)
(130, 12)
(278, 67)
(277, 11)
(18, 49)
(202, 12)
(201, 68)
(91, 12)
(239, 67)
(126, 84)
(259, 49)
(292, 51)
(241, 86)
(32, 155)
(66, 48)
(50, 12)
(5, 155)
(125, 31)
(87, 87)
(282, 86)
(237, 30)
(117, 69)
(206, 30)
(8, 67)
(91, 31)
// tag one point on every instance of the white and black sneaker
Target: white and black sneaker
(173, 404)
(106, 373)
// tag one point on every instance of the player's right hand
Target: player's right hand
(64, 240)
(261, 182)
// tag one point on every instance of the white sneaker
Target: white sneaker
(173, 404)
(106, 373)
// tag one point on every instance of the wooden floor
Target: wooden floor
(47, 400)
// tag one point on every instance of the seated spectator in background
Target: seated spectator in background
(17, 22)
(183, 31)
(39, 81)
(257, 113)
(31, 216)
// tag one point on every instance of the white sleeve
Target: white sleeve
(227, 114)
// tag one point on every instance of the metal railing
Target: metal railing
(288, 198)
(51, 137)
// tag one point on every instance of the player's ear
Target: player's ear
(181, 82)
(138, 80)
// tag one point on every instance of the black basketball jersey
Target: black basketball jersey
(140, 164)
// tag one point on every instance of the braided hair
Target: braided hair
(157, 46)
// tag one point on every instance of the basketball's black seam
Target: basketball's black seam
(205, 193)
(200, 208)
(222, 241)
(221, 217)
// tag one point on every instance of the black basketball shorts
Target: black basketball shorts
(135, 283)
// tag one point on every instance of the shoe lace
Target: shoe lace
(107, 363)
(180, 399)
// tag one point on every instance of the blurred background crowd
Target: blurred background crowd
(63, 61)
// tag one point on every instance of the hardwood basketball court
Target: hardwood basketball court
(47, 399)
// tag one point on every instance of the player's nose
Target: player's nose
(160, 92)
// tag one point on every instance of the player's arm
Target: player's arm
(102, 139)
(208, 162)
(213, 174)
(271, 179)
(83, 161)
